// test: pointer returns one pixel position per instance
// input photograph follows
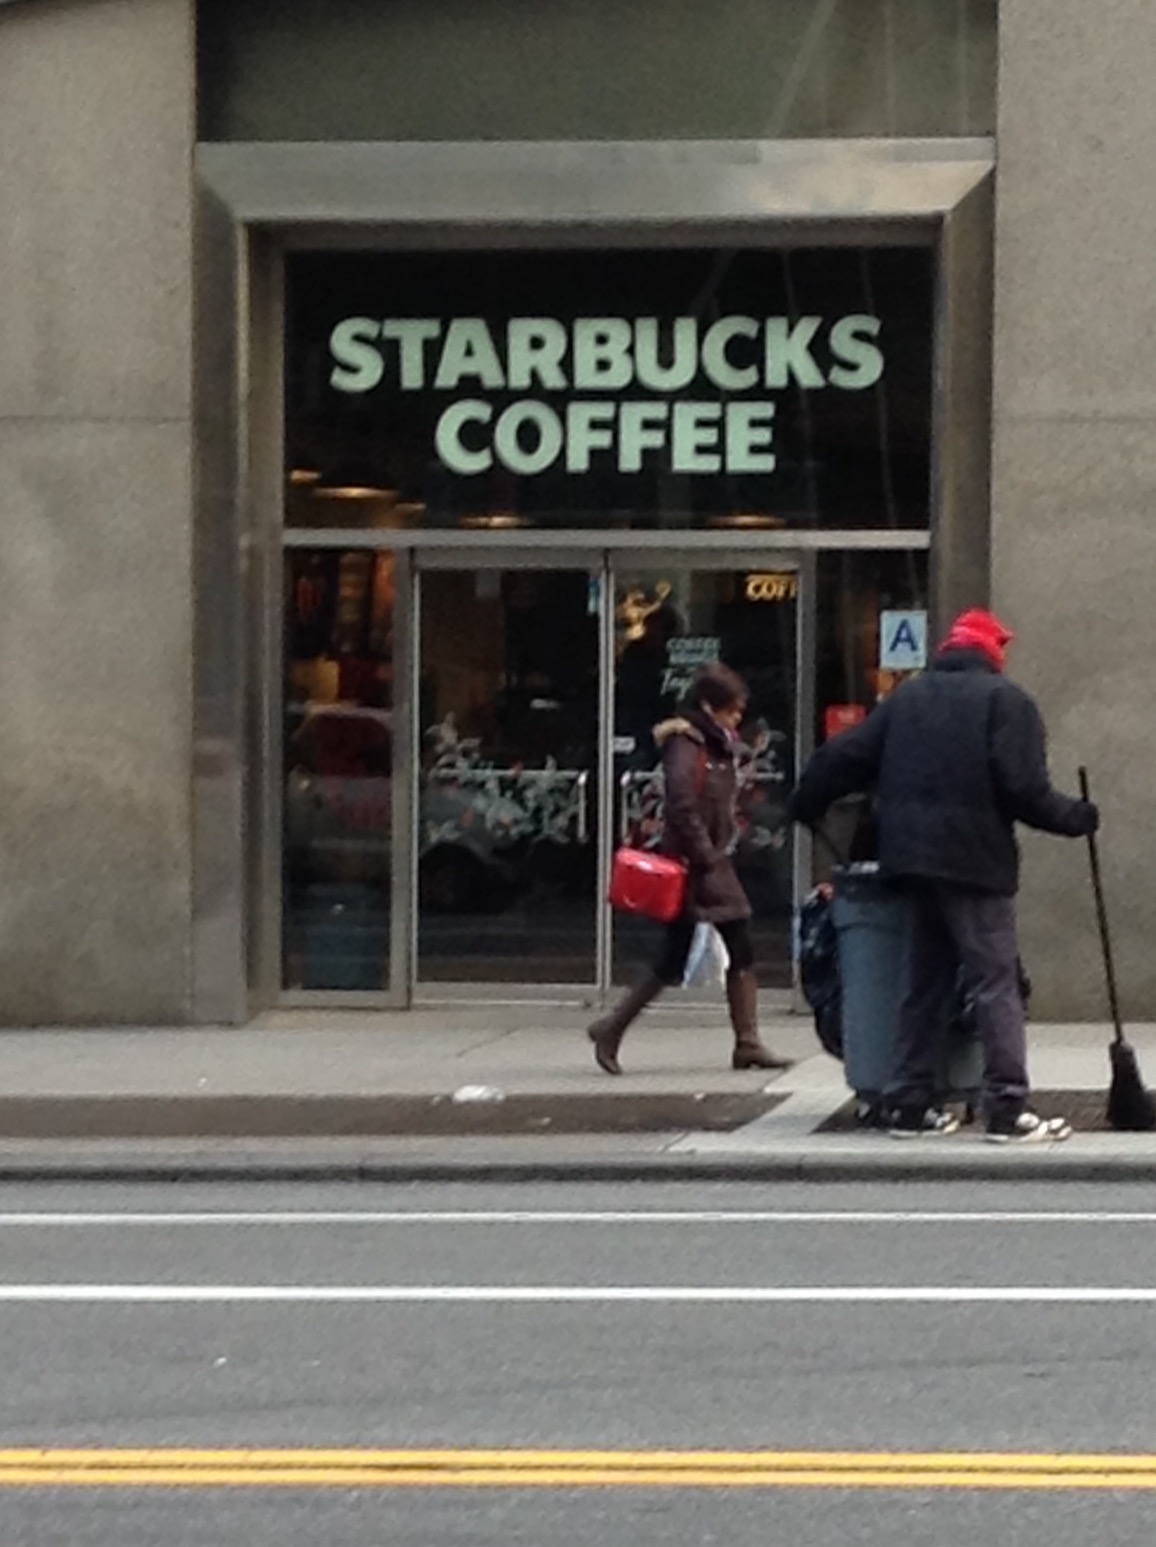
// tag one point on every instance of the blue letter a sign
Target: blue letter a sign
(902, 641)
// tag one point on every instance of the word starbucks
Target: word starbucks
(606, 355)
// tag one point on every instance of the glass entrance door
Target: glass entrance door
(508, 748)
(539, 686)
(670, 619)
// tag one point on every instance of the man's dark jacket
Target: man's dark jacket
(958, 757)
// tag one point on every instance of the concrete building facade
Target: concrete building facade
(326, 655)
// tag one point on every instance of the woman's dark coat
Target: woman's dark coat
(701, 777)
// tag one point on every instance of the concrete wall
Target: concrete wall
(1075, 459)
(96, 131)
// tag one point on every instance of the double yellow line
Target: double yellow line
(179, 1468)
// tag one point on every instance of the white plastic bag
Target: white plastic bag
(707, 960)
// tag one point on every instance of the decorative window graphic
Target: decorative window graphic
(468, 799)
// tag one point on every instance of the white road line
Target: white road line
(566, 1294)
(635, 1217)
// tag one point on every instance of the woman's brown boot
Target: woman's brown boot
(607, 1032)
(743, 1002)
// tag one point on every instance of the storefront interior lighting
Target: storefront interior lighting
(747, 519)
(302, 477)
(497, 521)
(353, 491)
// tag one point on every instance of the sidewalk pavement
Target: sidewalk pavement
(499, 1091)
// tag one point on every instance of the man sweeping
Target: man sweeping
(958, 756)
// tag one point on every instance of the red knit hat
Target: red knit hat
(980, 630)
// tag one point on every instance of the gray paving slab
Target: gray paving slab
(421, 1052)
(527, 1049)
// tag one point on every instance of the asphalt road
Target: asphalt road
(610, 1323)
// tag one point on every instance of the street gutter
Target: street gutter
(160, 1164)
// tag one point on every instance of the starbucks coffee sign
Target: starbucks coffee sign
(618, 387)
(628, 394)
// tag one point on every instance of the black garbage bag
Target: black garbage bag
(819, 969)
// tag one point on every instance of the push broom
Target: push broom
(1130, 1106)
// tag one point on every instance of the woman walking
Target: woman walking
(700, 771)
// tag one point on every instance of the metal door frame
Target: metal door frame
(256, 202)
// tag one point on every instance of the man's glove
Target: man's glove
(1086, 818)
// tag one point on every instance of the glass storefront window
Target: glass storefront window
(315, 70)
(721, 390)
(855, 591)
(527, 672)
(338, 768)
(872, 618)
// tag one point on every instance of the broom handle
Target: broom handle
(1102, 918)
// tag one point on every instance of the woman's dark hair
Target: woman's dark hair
(718, 687)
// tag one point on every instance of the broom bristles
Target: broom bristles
(1130, 1106)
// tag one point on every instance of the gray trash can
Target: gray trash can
(872, 919)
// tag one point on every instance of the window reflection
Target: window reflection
(338, 738)
(508, 707)
(668, 622)
(856, 591)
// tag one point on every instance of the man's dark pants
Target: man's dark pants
(954, 927)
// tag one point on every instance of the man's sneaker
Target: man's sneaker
(1030, 1129)
(912, 1123)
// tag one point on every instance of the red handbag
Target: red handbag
(653, 885)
